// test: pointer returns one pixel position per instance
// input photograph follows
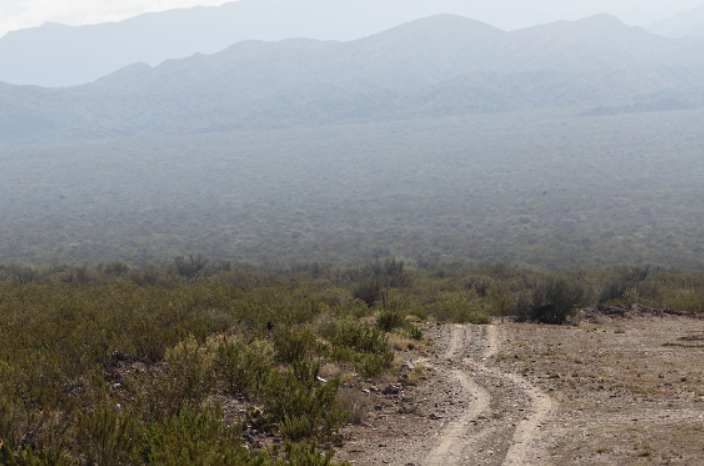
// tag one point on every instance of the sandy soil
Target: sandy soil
(621, 390)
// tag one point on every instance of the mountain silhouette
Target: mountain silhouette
(433, 67)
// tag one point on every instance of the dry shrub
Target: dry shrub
(401, 343)
(355, 403)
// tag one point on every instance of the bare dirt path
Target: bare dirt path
(469, 412)
(522, 452)
(460, 441)
(622, 389)
(455, 437)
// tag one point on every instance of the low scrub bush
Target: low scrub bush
(685, 300)
(359, 337)
(368, 347)
(620, 280)
(303, 404)
(307, 455)
(294, 345)
(460, 308)
(390, 273)
(355, 404)
(389, 320)
(553, 301)
(369, 291)
(106, 434)
(374, 365)
(243, 367)
(415, 332)
(182, 384)
(195, 437)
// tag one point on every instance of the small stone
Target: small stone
(391, 390)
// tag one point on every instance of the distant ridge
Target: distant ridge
(688, 23)
(55, 55)
(434, 67)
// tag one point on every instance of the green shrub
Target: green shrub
(553, 301)
(191, 369)
(620, 280)
(307, 455)
(302, 403)
(118, 269)
(106, 434)
(685, 301)
(183, 384)
(360, 337)
(293, 345)
(389, 273)
(418, 311)
(374, 365)
(415, 332)
(356, 342)
(23, 457)
(389, 320)
(194, 437)
(460, 308)
(368, 291)
(191, 267)
(243, 367)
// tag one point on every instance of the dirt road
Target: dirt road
(478, 413)
(474, 346)
(611, 391)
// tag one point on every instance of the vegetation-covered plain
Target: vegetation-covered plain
(205, 363)
(542, 189)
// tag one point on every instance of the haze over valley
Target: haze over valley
(325, 233)
(575, 142)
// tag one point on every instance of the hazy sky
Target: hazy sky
(18, 14)
(507, 14)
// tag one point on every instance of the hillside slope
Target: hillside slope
(57, 55)
(688, 23)
(439, 66)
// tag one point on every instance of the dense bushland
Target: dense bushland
(120, 365)
(548, 189)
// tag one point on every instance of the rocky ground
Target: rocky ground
(617, 389)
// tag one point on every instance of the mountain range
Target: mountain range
(689, 23)
(56, 55)
(438, 66)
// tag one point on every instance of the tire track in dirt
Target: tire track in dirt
(521, 452)
(460, 440)
(454, 438)
(473, 412)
